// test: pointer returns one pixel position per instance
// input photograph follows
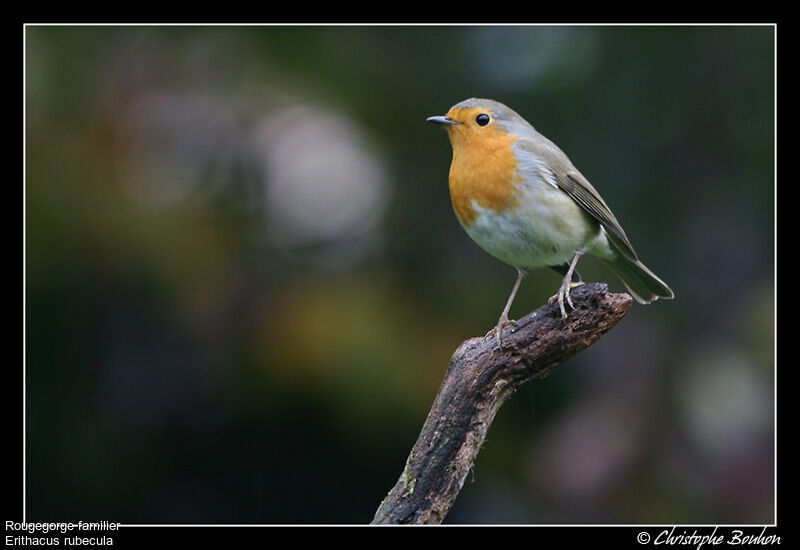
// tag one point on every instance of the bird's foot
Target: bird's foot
(498, 330)
(563, 295)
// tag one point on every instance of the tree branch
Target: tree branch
(478, 380)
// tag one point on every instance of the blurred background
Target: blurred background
(244, 277)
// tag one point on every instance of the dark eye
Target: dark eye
(482, 119)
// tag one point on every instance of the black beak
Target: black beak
(446, 121)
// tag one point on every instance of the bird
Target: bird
(520, 198)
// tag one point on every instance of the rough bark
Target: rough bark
(479, 378)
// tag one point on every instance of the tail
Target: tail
(642, 283)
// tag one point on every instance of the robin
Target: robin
(521, 199)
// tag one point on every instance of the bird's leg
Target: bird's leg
(504, 320)
(566, 286)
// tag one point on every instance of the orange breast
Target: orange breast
(484, 170)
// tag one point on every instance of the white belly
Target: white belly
(545, 230)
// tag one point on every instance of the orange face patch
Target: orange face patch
(484, 167)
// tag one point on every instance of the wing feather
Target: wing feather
(574, 184)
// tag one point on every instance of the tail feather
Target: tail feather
(642, 283)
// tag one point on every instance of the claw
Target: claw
(562, 294)
(498, 330)
(504, 321)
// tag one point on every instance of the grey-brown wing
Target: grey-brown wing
(572, 182)
(582, 192)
